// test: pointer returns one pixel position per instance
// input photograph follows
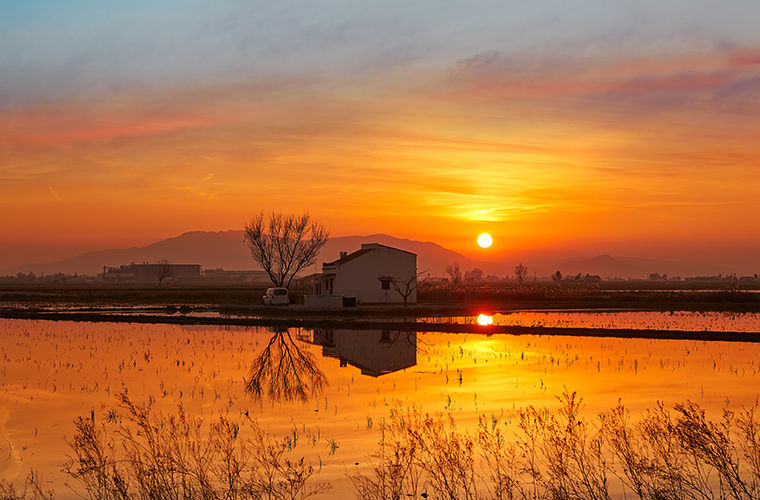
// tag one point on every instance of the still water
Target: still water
(636, 320)
(52, 372)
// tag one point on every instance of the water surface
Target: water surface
(637, 320)
(51, 372)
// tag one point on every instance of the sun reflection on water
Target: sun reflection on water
(485, 320)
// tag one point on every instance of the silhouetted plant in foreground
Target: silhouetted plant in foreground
(683, 454)
(148, 455)
(285, 371)
(528, 454)
(669, 454)
(33, 490)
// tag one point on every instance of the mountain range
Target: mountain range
(607, 266)
(226, 249)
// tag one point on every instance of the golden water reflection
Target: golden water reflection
(52, 372)
(484, 320)
(636, 320)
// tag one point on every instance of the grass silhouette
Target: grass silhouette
(535, 454)
(530, 453)
(149, 455)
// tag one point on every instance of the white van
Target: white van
(276, 297)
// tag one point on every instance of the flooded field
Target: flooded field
(330, 391)
(635, 320)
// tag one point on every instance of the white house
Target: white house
(374, 352)
(368, 275)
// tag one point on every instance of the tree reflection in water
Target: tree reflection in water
(285, 371)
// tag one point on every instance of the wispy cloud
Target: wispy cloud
(492, 75)
(552, 121)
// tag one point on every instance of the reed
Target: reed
(532, 453)
(150, 455)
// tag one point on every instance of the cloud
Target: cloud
(54, 193)
(47, 133)
(366, 123)
(495, 76)
(750, 57)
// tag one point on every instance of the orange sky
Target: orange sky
(586, 139)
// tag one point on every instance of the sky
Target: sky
(564, 128)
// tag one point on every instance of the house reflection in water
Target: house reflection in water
(374, 352)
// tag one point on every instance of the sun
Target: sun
(485, 240)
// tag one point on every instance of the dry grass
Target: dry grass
(534, 454)
(148, 455)
(677, 453)
(32, 490)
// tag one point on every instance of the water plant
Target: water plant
(539, 454)
(151, 455)
(33, 489)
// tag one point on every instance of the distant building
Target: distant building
(365, 276)
(223, 276)
(144, 273)
(374, 352)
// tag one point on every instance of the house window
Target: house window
(385, 284)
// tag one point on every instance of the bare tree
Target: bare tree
(405, 288)
(162, 270)
(473, 275)
(455, 274)
(557, 277)
(285, 244)
(285, 371)
(521, 273)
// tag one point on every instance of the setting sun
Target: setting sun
(485, 240)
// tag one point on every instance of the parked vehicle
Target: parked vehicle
(276, 297)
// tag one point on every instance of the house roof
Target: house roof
(366, 248)
(350, 256)
(375, 245)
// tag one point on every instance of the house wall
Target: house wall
(359, 277)
(323, 301)
(375, 352)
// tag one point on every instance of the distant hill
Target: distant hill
(607, 266)
(226, 249)
(677, 268)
